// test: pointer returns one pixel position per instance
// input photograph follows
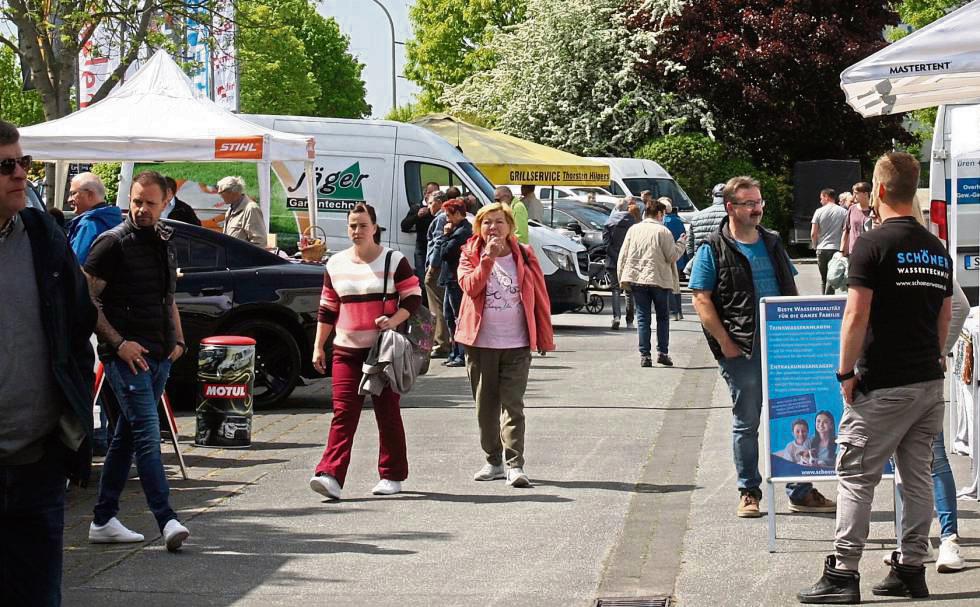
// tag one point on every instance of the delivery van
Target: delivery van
(388, 164)
(630, 176)
(957, 132)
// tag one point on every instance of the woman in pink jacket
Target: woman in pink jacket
(504, 316)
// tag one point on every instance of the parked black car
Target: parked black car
(579, 219)
(227, 286)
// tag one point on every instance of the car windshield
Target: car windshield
(587, 191)
(662, 187)
(593, 218)
(478, 178)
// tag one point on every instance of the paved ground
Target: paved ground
(634, 496)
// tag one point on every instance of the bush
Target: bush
(698, 162)
(108, 172)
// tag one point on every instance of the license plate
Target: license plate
(971, 262)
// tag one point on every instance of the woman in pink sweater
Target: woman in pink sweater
(353, 302)
(504, 316)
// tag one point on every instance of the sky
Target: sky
(370, 41)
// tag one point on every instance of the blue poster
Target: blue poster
(804, 404)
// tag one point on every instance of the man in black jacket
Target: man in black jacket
(177, 209)
(131, 272)
(613, 235)
(741, 263)
(46, 379)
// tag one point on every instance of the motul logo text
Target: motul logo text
(225, 391)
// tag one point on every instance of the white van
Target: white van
(388, 164)
(630, 176)
(958, 131)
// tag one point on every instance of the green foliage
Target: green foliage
(295, 61)
(452, 41)
(17, 106)
(275, 73)
(108, 172)
(697, 163)
(920, 13)
(406, 113)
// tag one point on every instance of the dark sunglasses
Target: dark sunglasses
(8, 165)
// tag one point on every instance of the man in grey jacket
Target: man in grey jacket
(706, 221)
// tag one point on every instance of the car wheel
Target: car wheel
(277, 361)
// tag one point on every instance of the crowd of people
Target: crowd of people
(112, 274)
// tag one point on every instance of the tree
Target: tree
(769, 72)
(920, 13)
(578, 87)
(274, 71)
(17, 106)
(452, 41)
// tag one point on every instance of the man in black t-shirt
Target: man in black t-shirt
(897, 316)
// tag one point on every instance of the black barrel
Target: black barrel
(225, 374)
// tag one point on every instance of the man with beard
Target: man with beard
(741, 263)
(131, 271)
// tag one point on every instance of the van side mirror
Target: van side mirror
(573, 226)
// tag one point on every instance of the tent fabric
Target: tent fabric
(155, 116)
(505, 159)
(936, 65)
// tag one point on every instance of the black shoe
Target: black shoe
(663, 359)
(903, 580)
(615, 325)
(646, 361)
(836, 587)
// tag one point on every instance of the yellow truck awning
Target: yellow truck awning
(507, 160)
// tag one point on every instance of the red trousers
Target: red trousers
(347, 405)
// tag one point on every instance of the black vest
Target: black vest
(137, 299)
(734, 294)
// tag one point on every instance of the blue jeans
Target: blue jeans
(744, 378)
(450, 309)
(137, 432)
(675, 303)
(32, 521)
(645, 297)
(943, 488)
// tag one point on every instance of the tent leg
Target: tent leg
(311, 202)
(125, 183)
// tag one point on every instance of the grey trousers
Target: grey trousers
(435, 295)
(499, 379)
(902, 421)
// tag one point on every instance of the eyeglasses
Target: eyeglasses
(750, 204)
(8, 165)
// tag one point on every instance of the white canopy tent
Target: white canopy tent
(937, 64)
(156, 117)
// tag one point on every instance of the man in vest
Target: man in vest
(131, 272)
(741, 263)
(706, 221)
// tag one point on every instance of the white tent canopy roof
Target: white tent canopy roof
(155, 116)
(936, 65)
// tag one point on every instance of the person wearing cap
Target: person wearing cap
(706, 221)
(243, 219)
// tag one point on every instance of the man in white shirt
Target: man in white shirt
(825, 231)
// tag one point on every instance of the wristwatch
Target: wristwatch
(843, 377)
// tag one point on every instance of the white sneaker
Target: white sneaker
(112, 532)
(489, 472)
(949, 559)
(174, 535)
(387, 487)
(326, 485)
(517, 478)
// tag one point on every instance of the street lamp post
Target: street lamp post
(394, 76)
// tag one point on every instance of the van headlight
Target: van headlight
(563, 258)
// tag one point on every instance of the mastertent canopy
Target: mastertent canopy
(505, 159)
(155, 117)
(937, 64)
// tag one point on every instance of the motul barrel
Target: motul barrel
(225, 373)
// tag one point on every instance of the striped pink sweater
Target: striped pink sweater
(351, 297)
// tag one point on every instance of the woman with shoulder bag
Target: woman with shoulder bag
(356, 303)
(505, 314)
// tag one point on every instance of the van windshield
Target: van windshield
(479, 179)
(662, 187)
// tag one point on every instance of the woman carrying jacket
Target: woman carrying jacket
(356, 302)
(505, 314)
(456, 232)
(647, 267)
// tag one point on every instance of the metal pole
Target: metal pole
(394, 69)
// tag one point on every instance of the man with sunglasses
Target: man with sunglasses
(46, 383)
(741, 263)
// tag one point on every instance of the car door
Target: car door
(205, 288)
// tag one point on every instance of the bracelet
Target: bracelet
(182, 345)
(119, 345)
(842, 377)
